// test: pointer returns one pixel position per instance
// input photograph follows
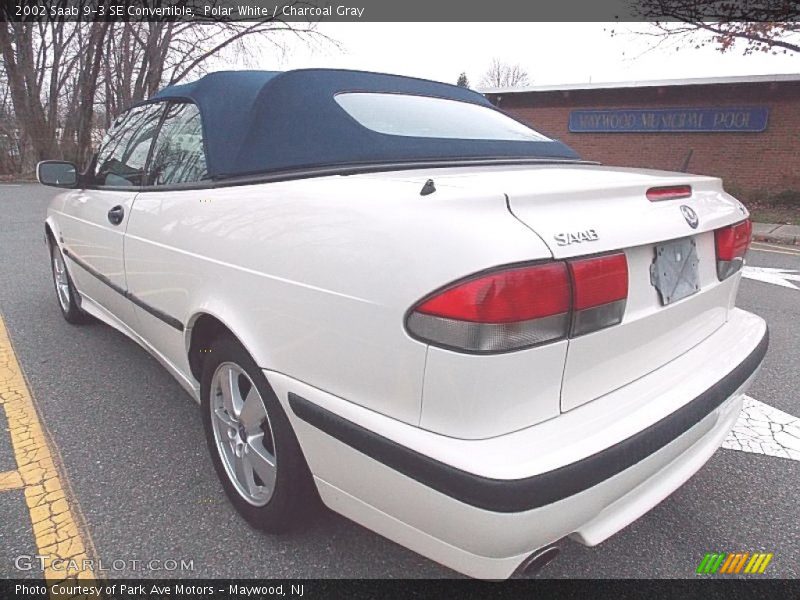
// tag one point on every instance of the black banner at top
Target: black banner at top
(401, 10)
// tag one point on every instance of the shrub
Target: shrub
(786, 198)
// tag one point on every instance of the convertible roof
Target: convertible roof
(273, 121)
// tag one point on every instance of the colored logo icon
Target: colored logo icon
(733, 563)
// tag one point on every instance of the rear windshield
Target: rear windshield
(424, 116)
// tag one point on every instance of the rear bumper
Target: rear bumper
(481, 506)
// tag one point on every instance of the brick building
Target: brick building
(744, 129)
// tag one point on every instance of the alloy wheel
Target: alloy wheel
(243, 433)
(61, 279)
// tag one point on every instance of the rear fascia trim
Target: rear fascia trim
(518, 495)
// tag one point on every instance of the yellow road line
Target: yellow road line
(783, 249)
(776, 251)
(10, 480)
(55, 528)
(779, 246)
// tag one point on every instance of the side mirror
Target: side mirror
(57, 173)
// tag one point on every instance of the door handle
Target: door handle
(116, 214)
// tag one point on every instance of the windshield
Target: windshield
(424, 116)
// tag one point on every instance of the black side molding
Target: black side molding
(158, 314)
(517, 495)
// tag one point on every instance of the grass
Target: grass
(782, 207)
(783, 215)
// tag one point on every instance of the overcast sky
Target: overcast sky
(552, 53)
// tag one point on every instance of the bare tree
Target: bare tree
(76, 135)
(772, 27)
(142, 57)
(33, 63)
(67, 79)
(504, 75)
(10, 150)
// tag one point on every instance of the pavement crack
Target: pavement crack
(763, 429)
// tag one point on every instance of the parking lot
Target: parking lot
(138, 490)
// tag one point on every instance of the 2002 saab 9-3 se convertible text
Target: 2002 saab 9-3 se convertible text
(387, 293)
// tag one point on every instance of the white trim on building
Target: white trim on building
(640, 84)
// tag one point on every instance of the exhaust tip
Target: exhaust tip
(537, 561)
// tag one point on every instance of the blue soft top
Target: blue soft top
(270, 121)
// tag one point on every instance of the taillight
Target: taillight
(504, 310)
(600, 287)
(732, 243)
(519, 307)
(670, 192)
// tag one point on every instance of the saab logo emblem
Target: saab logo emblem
(567, 238)
(690, 216)
(733, 563)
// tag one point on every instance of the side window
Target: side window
(178, 154)
(123, 153)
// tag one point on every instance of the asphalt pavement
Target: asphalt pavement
(131, 448)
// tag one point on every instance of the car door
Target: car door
(162, 273)
(95, 218)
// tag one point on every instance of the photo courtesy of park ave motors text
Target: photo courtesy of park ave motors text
(310, 292)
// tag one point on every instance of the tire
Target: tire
(244, 437)
(66, 295)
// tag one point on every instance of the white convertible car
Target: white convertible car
(390, 295)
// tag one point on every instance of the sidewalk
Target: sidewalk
(777, 234)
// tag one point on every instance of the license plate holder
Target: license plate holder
(674, 271)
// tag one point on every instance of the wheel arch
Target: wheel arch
(202, 329)
(52, 231)
(50, 238)
(49, 234)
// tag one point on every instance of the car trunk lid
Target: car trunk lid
(587, 210)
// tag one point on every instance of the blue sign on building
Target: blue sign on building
(642, 120)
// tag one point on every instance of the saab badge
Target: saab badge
(690, 216)
(576, 237)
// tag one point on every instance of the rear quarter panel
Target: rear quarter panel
(315, 276)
